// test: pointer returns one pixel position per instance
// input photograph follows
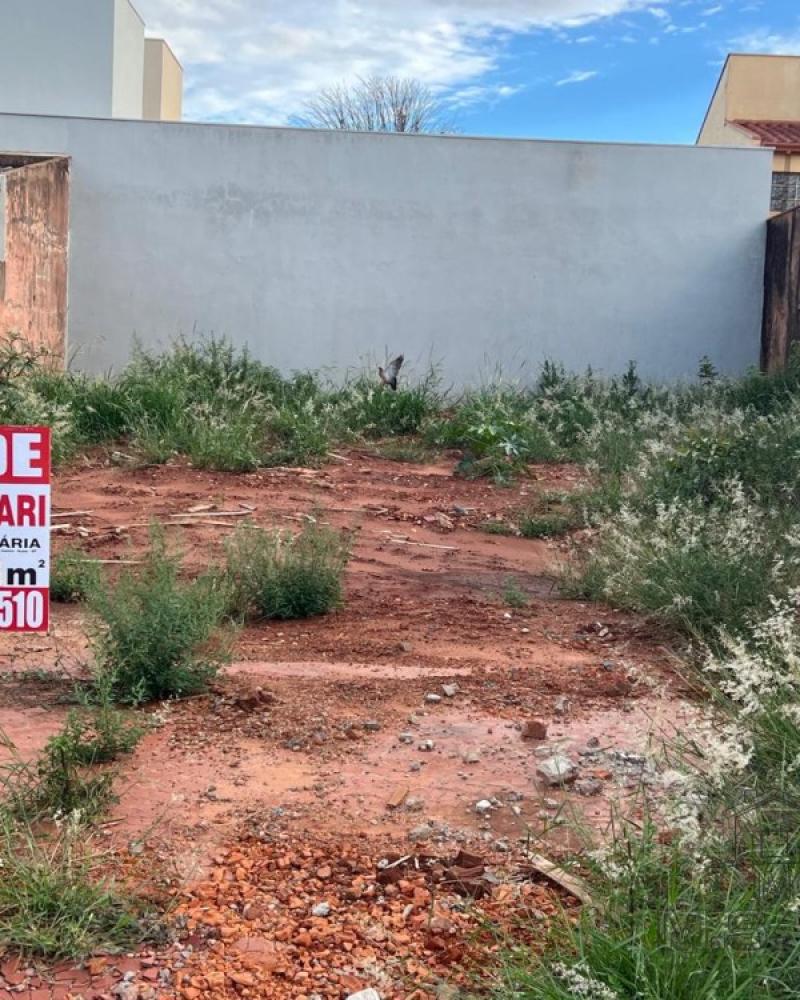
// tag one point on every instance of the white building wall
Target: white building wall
(324, 248)
(56, 57)
(71, 57)
(128, 83)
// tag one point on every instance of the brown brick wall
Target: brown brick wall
(33, 292)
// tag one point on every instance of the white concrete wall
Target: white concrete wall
(56, 57)
(323, 248)
(128, 86)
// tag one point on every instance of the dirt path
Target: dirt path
(362, 733)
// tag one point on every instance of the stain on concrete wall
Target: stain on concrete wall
(34, 220)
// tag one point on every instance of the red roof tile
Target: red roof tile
(783, 136)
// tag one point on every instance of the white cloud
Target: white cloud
(247, 60)
(577, 76)
(477, 93)
(710, 11)
(769, 42)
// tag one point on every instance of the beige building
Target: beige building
(163, 82)
(757, 103)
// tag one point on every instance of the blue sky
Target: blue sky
(625, 70)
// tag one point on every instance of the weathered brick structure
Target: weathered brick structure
(34, 247)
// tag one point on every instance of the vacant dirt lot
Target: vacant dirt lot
(393, 727)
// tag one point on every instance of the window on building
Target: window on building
(785, 192)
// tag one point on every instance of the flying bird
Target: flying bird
(388, 375)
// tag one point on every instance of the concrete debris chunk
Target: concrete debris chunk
(557, 770)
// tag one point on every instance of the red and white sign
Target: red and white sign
(24, 529)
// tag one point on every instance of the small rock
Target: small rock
(593, 743)
(561, 706)
(420, 833)
(534, 729)
(551, 803)
(450, 690)
(557, 770)
(415, 766)
(502, 845)
(433, 699)
(588, 786)
(365, 995)
(483, 807)
(406, 647)
(406, 737)
(414, 804)
(471, 757)
(427, 746)
(321, 910)
(372, 726)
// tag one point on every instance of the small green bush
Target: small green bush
(370, 410)
(72, 576)
(275, 574)
(158, 637)
(54, 784)
(513, 595)
(544, 525)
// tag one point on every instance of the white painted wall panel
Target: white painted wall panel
(320, 248)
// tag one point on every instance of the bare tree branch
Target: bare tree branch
(378, 104)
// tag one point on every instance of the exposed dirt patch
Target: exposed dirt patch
(322, 737)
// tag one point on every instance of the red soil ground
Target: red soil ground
(270, 795)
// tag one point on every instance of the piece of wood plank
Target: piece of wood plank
(72, 513)
(424, 545)
(398, 797)
(116, 562)
(553, 873)
(200, 515)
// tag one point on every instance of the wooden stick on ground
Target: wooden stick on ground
(550, 871)
(423, 545)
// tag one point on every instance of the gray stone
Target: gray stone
(372, 726)
(588, 786)
(433, 699)
(414, 804)
(557, 770)
(471, 757)
(450, 690)
(420, 833)
(483, 807)
(321, 910)
(427, 746)
(561, 706)
(406, 737)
